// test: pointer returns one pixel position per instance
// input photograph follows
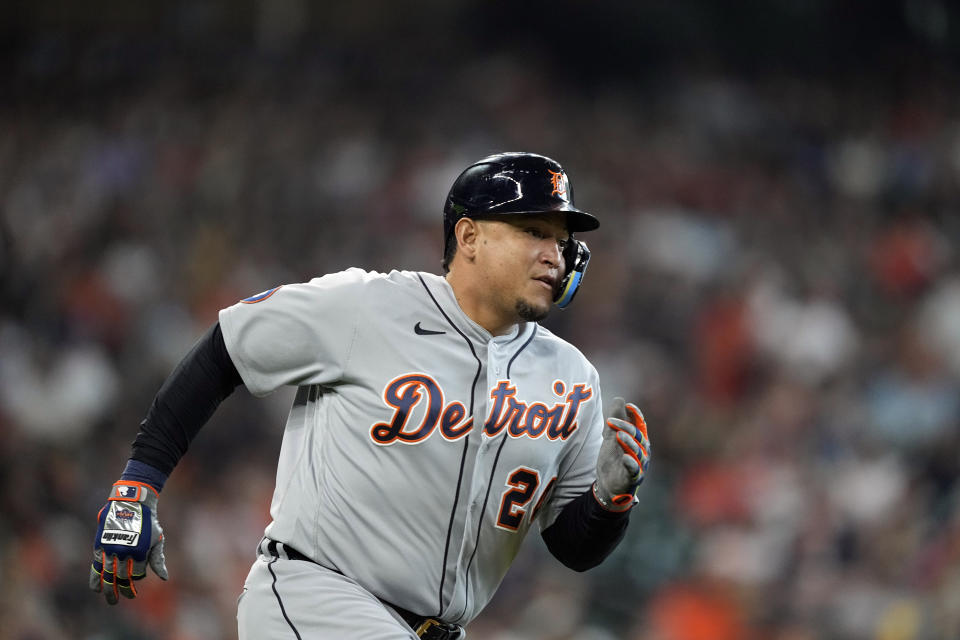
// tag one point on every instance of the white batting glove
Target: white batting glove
(623, 459)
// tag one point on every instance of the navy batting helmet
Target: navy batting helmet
(510, 183)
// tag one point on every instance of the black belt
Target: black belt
(424, 626)
(429, 628)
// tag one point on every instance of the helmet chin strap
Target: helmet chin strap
(577, 256)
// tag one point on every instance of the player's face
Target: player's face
(523, 263)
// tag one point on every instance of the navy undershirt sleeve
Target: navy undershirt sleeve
(585, 533)
(183, 405)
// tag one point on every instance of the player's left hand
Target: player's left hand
(128, 538)
(624, 457)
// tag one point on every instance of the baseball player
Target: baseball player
(435, 421)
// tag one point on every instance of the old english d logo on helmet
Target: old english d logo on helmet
(559, 183)
(512, 183)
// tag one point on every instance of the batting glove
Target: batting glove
(128, 538)
(624, 457)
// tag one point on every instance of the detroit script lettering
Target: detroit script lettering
(517, 417)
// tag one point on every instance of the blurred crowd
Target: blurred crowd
(775, 283)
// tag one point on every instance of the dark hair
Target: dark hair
(449, 251)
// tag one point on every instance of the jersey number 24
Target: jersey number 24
(521, 487)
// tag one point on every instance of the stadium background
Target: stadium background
(775, 282)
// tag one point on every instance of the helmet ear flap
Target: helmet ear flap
(576, 256)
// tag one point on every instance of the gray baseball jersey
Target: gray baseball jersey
(419, 449)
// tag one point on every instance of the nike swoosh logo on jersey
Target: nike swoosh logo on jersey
(420, 331)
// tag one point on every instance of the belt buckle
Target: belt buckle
(427, 624)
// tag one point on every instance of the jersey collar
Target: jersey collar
(445, 296)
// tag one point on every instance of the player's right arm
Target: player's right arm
(129, 535)
(292, 335)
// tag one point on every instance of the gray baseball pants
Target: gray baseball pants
(301, 600)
